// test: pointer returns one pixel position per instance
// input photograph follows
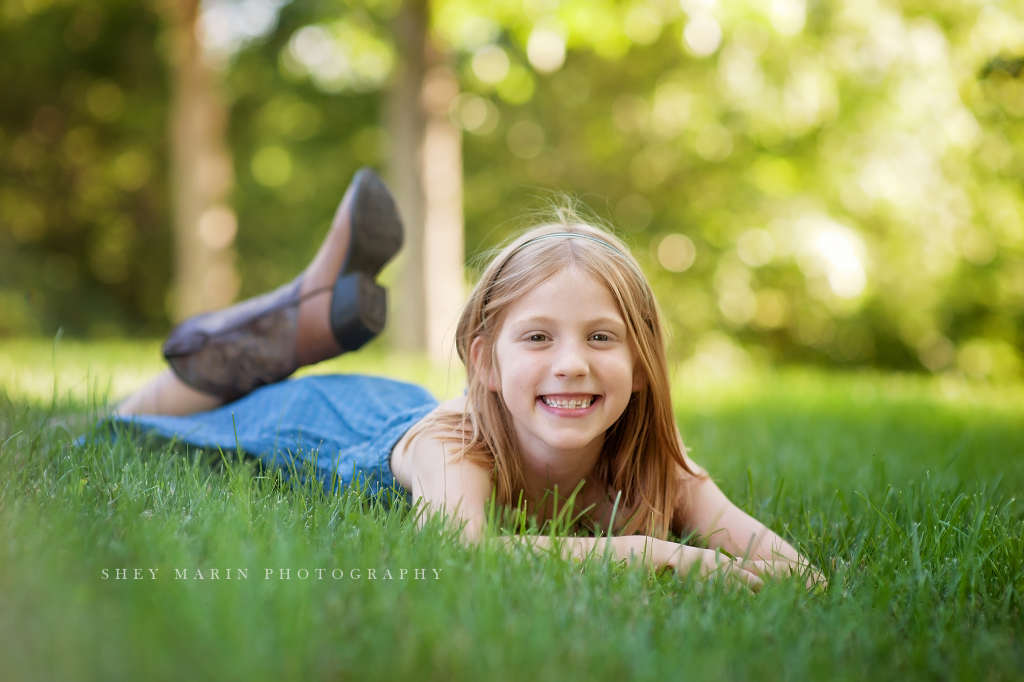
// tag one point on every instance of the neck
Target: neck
(548, 471)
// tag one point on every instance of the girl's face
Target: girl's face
(565, 367)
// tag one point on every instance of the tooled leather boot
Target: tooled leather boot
(231, 352)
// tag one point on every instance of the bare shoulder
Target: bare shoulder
(402, 453)
(429, 467)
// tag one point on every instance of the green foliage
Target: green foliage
(84, 239)
(84, 206)
(902, 489)
(828, 182)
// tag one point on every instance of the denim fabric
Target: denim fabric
(344, 425)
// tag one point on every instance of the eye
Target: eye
(538, 338)
(600, 337)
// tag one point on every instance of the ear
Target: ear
(639, 380)
(481, 362)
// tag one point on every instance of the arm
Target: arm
(462, 489)
(644, 551)
(705, 510)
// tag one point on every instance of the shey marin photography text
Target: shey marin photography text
(271, 574)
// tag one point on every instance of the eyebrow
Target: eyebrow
(544, 319)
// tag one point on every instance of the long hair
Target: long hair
(642, 455)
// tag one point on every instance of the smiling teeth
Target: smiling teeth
(575, 404)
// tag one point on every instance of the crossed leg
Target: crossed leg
(167, 394)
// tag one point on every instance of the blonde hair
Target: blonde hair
(642, 452)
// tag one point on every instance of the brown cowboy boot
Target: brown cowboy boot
(231, 352)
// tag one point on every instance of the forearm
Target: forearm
(743, 536)
(644, 551)
(722, 525)
(634, 549)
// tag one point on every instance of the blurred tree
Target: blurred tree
(83, 228)
(201, 171)
(426, 170)
(345, 49)
(835, 182)
(821, 182)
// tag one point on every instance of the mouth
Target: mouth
(569, 402)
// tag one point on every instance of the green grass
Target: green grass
(906, 490)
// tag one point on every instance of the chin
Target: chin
(569, 443)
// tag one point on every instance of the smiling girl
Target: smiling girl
(568, 390)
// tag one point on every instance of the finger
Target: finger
(764, 569)
(816, 580)
(747, 579)
(754, 566)
(782, 568)
(735, 574)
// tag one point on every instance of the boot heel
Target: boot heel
(359, 310)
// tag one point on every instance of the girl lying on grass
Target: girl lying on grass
(568, 390)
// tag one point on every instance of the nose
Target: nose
(570, 361)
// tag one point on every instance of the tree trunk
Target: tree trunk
(405, 123)
(444, 247)
(201, 176)
(426, 174)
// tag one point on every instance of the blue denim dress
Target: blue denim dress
(341, 427)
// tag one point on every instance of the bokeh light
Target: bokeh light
(546, 50)
(676, 252)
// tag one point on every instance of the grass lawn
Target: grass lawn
(905, 490)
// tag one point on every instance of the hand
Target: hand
(781, 568)
(713, 566)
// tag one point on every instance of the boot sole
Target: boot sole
(358, 304)
(376, 227)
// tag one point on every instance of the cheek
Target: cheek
(625, 375)
(506, 376)
(515, 386)
(520, 377)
